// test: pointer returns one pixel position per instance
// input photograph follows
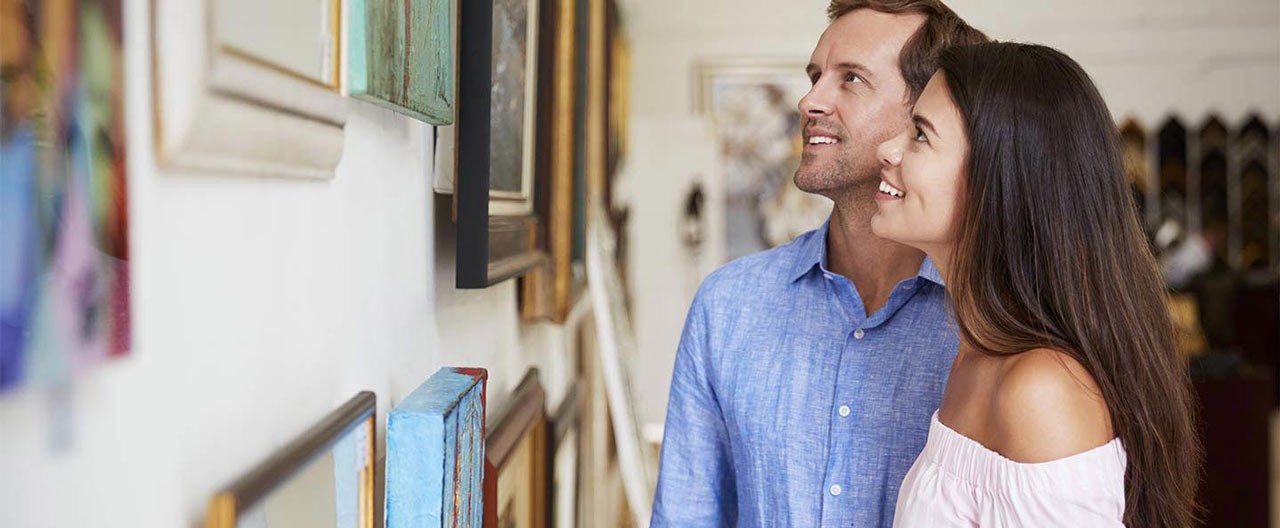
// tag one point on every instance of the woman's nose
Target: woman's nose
(890, 152)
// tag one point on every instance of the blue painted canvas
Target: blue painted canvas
(435, 453)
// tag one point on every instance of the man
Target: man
(807, 375)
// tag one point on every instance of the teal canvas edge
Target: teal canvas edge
(357, 48)
(433, 92)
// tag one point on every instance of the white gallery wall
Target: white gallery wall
(1149, 57)
(260, 305)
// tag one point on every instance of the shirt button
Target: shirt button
(836, 490)
(858, 334)
(844, 410)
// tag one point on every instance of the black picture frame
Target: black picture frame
(491, 248)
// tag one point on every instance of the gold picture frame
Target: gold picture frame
(515, 473)
(284, 485)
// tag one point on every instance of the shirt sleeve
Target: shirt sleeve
(696, 480)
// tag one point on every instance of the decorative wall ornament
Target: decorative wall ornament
(1253, 249)
(1171, 152)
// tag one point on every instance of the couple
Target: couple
(978, 335)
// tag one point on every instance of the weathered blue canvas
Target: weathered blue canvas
(435, 453)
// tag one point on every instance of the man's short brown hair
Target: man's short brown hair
(942, 29)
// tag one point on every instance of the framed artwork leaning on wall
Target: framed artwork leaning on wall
(435, 452)
(515, 481)
(325, 477)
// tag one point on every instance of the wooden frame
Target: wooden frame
(497, 232)
(435, 452)
(208, 93)
(357, 417)
(409, 66)
(549, 293)
(516, 441)
(564, 444)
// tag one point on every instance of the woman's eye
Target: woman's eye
(920, 136)
(813, 79)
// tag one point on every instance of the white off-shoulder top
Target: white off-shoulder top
(958, 482)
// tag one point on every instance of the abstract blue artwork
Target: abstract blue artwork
(435, 452)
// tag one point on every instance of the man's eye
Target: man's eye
(853, 77)
(813, 78)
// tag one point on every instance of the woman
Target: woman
(1067, 404)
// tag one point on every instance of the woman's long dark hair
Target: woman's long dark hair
(1050, 255)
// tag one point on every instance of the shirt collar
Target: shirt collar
(813, 253)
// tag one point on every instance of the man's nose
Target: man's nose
(817, 102)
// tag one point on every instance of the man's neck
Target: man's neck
(873, 264)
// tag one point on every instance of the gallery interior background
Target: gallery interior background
(260, 304)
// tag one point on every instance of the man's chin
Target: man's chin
(818, 182)
(836, 189)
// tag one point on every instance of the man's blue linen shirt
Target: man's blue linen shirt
(789, 405)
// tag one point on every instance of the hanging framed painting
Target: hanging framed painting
(325, 477)
(64, 202)
(515, 483)
(549, 292)
(497, 87)
(752, 105)
(401, 56)
(248, 87)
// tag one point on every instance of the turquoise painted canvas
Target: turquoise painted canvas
(401, 56)
(435, 453)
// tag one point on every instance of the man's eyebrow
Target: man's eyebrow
(850, 66)
(923, 122)
(856, 67)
